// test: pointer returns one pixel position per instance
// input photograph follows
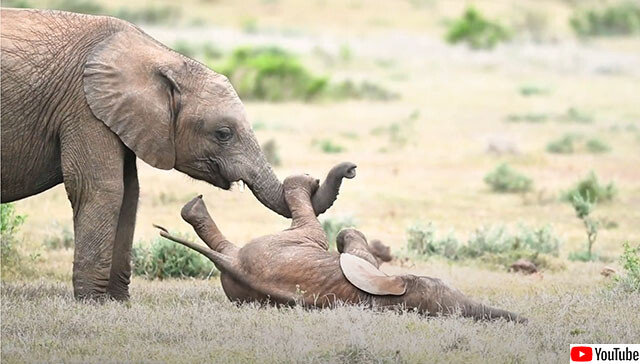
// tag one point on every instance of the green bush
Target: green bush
(150, 14)
(165, 259)
(10, 223)
(493, 245)
(597, 146)
(422, 240)
(617, 19)
(270, 73)
(630, 261)
(333, 225)
(532, 90)
(364, 90)
(203, 52)
(79, 6)
(477, 31)
(564, 145)
(64, 240)
(328, 146)
(592, 190)
(506, 179)
(583, 256)
(575, 115)
(270, 150)
(528, 117)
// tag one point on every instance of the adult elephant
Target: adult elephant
(83, 97)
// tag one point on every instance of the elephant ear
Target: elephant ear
(129, 85)
(370, 279)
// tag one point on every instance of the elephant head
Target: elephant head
(174, 112)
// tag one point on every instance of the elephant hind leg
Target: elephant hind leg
(196, 214)
(120, 275)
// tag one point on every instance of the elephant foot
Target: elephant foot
(195, 211)
(118, 292)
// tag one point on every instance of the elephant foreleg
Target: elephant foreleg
(120, 276)
(92, 164)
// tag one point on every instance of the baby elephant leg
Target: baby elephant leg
(196, 214)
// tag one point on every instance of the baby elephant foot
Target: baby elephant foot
(195, 211)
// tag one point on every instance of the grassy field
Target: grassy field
(429, 164)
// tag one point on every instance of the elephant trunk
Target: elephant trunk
(266, 187)
(327, 193)
(480, 311)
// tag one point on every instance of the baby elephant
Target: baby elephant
(295, 267)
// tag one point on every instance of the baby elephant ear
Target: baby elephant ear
(370, 279)
(129, 85)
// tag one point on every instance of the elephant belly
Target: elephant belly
(309, 274)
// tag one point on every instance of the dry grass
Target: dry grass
(462, 99)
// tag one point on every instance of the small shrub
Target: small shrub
(150, 14)
(166, 259)
(333, 225)
(270, 73)
(528, 117)
(328, 146)
(203, 52)
(400, 132)
(477, 31)
(10, 223)
(630, 261)
(63, 240)
(79, 6)
(597, 146)
(617, 19)
(270, 150)
(532, 90)
(364, 90)
(564, 145)
(493, 245)
(591, 190)
(422, 240)
(506, 179)
(575, 115)
(583, 207)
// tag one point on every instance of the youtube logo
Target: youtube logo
(581, 353)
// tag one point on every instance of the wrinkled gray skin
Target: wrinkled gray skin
(83, 97)
(294, 266)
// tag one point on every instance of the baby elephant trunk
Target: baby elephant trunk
(483, 312)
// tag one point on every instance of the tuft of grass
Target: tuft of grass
(333, 225)
(528, 117)
(591, 190)
(270, 150)
(505, 179)
(630, 261)
(328, 146)
(477, 31)
(399, 133)
(166, 259)
(621, 18)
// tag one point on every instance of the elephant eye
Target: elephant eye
(224, 134)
